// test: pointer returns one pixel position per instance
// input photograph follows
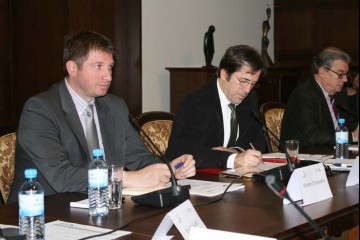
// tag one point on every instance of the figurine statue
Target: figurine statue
(265, 41)
(209, 46)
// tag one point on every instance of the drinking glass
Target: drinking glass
(115, 186)
(292, 147)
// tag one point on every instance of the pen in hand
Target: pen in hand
(179, 165)
(252, 146)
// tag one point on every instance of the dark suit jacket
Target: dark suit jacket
(351, 103)
(50, 137)
(307, 117)
(198, 127)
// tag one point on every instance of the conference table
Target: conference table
(253, 210)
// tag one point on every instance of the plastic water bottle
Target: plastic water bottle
(31, 207)
(98, 185)
(342, 140)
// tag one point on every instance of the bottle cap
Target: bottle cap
(341, 120)
(30, 173)
(97, 152)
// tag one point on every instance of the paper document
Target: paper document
(248, 172)
(354, 147)
(353, 178)
(2, 226)
(59, 230)
(80, 204)
(342, 165)
(209, 189)
(315, 157)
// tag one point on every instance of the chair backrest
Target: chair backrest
(7, 164)
(272, 114)
(157, 125)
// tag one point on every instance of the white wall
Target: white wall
(173, 33)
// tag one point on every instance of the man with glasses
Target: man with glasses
(311, 112)
(215, 123)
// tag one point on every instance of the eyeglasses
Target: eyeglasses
(340, 75)
(244, 82)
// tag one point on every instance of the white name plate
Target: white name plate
(309, 184)
(184, 217)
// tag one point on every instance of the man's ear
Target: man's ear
(223, 74)
(322, 70)
(71, 67)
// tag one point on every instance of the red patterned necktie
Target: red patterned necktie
(332, 101)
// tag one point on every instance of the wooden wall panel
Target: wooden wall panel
(37, 31)
(305, 27)
(121, 22)
(128, 42)
(344, 35)
(299, 22)
(5, 83)
(33, 35)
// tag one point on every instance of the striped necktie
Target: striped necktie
(233, 126)
(90, 128)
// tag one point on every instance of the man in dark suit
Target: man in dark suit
(309, 115)
(53, 136)
(203, 122)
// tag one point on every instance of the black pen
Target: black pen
(252, 146)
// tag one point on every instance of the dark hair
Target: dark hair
(351, 75)
(326, 58)
(239, 56)
(78, 45)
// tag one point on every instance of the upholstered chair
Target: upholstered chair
(272, 114)
(7, 164)
(157, 125)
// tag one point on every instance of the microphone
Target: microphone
(348, 111)
(173, 195)
(281, 173)
(282, 193)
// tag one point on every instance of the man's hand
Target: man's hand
(156, 175)
(355, 134)
(187, 170)
(250, 158)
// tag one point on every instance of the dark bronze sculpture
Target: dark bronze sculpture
(209, 46)
(265, 41)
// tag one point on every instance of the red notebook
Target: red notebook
(274, 160)
(210, 170)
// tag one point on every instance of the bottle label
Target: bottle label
(342, 137)
(98, 178)
(31, 204)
